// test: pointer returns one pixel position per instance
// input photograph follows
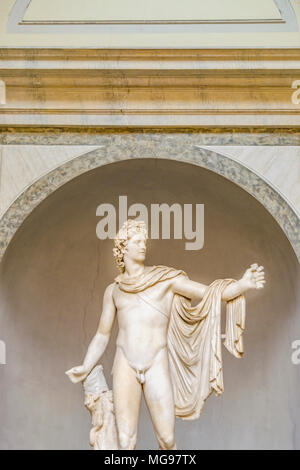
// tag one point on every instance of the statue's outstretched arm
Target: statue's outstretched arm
(100, 340)
(188, 288)
(253, 278)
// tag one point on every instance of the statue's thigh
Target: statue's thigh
(127, 394)
(159, 397)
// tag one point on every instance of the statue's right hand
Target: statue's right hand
(77, 374)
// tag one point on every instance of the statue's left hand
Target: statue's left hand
(254, 277)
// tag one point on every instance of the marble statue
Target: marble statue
(167, 349)
(99, 401)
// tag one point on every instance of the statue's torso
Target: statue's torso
(143, 321)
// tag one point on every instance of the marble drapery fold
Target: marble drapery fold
(194, 345)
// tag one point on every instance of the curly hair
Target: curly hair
(128, 230)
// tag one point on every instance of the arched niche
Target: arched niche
(127, 148)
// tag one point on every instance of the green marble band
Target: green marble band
(199, 136)
(118, 147)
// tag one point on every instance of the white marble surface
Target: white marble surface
(119, 147)
(280, 166)
(22, 165)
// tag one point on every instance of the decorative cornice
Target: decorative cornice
(111, 87)
(145, 22)
(245, 55)
(137, 112)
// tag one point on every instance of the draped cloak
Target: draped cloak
(194, 338)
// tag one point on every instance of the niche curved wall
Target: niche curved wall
(52, 279)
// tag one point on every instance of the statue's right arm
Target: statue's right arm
(99, 342)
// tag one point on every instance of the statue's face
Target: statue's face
(136, 248)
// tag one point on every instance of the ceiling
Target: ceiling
(150, 24)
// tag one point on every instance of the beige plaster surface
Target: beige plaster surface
(146, 40)
(71, 10)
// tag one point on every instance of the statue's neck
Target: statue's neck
(133, 269)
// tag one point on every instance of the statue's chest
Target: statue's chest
(153, 298)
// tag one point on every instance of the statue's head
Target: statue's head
(130, 243)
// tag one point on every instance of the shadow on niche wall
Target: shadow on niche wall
(52, 280)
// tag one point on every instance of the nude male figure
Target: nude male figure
(141, 360)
